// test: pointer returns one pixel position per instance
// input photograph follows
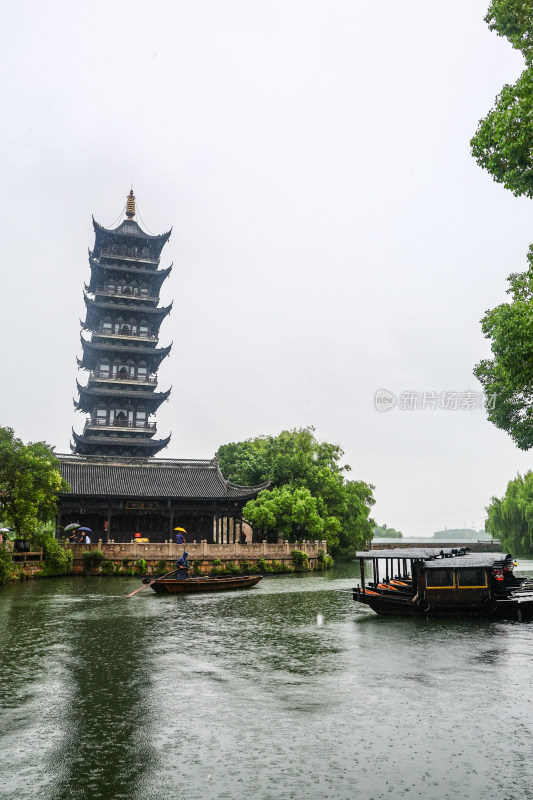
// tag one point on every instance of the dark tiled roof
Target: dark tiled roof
(154, 399)
(470, 560)
(137, 477)
(92, 351)
(129, 228)
(134, 306)
(155, 275)
(92, 445)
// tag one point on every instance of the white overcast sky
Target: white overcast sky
(331, 233)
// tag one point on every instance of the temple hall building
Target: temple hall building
(118, 488)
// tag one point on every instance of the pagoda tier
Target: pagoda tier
(102, 271)
(128, 241)
(123, 318)
(98, 310)
(117, 445)
(94, 352)
(123, 395)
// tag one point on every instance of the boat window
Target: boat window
(471, 578)
(439, 579)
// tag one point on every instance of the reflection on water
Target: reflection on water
(244, 694)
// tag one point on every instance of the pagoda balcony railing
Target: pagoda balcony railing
(130, 253)
(126, 424)
(108, 376)
(121, 334)
(125, 291)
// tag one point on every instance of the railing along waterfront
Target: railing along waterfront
(202, 550)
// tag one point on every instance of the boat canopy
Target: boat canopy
(409, 552)
(471, 560)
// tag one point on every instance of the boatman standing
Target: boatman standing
(182, 565)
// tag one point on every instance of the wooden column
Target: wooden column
(108, 531)
(171, 511)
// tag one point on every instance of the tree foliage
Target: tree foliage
(308, 494)
(30, 482)
(57, 560)
(6, 565)
(510, 519)
(507, 377)
(514, 20)
(503, 142)
(381, 531)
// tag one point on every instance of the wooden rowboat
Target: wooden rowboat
(207, 584)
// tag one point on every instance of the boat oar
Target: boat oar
(146, 585)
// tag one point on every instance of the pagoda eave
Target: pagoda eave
(155, 276)
(129, 307)
(92, 351)
(85, 445)
(88, 395)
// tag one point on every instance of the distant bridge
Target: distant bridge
(475, 545)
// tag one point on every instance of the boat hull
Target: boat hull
(195, 585)
(519, 608)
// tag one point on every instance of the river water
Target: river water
(288, 690)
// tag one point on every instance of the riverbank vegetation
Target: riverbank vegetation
(308, 495)
(510, 519)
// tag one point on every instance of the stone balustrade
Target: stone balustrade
(204, 551)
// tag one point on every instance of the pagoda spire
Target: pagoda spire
(130, 205)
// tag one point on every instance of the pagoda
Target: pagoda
(121, 352)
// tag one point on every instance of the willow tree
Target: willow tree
(510, 519)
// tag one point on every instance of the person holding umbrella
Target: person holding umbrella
(85, 538)
(72, 530)
(179, 538)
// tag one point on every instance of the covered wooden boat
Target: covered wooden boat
(449, 582)
(170, 585)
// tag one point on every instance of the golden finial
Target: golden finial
(130, 205)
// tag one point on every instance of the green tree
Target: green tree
(30, 482)
(507, 378)
(384, 532)
(510, 519)
(356, 524)
(503, 142)
(286, 511)
(308, 493)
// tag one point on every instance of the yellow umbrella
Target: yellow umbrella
(180, 529)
